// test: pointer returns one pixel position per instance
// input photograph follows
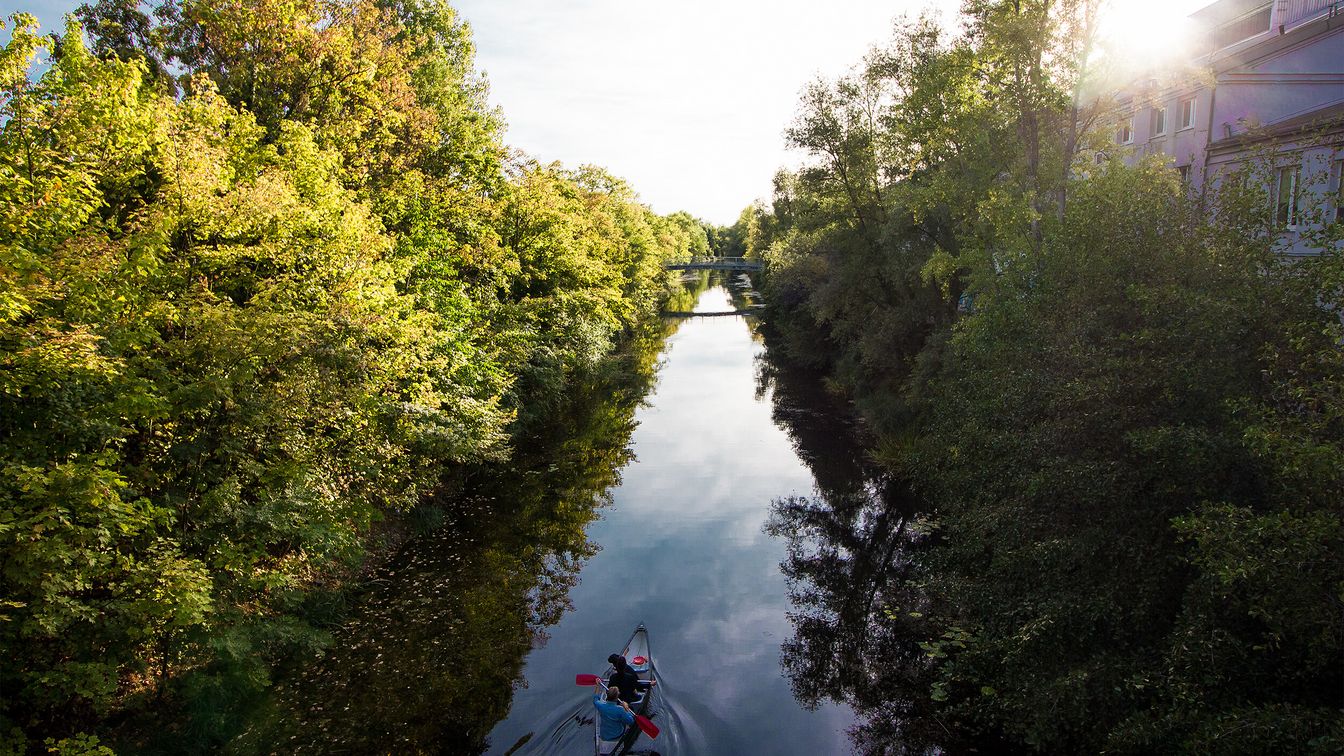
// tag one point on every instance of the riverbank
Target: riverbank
(247, 335)
(1128, 444)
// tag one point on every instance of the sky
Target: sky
(685, 99)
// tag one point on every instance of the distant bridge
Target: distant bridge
(716, 263)
(726, 313)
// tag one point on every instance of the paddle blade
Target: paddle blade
(586, 679)
(646, 725)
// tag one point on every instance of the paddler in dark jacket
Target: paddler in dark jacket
(626, 679)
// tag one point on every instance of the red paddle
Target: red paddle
(646, 725)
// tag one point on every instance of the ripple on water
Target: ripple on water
(567, 729)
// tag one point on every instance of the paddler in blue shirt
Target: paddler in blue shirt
(613, 715)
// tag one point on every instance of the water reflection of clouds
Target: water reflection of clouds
(683, 550)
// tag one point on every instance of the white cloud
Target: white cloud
(686, 100)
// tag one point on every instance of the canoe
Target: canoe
(640, 659)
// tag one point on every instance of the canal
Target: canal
(696, 487)
(684, 550)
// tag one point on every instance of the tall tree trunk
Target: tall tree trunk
(1072, 134)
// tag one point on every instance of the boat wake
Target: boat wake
(568, 729)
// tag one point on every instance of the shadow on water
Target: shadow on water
(428, 660)
(856, 605)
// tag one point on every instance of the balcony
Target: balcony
(1231, 24)
(1289, 14)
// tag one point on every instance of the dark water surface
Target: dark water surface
(683, 549)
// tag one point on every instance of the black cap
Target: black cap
(615, 659)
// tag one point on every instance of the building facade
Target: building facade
(1267, 79)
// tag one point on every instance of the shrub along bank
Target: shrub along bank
(1122, 409)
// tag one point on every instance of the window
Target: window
(1125, 133)
(1285, 197)
(1185, 173)
(1188, 113)
(1159, 121)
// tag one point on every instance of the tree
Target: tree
(1080, 437)
(246, 318)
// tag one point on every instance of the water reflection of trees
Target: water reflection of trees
(855, 599)
(742, 294)
(683, 297)
(428, 660)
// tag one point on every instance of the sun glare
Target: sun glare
(1140, 34)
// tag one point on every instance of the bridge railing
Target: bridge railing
(712, 258)
(717, 262)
